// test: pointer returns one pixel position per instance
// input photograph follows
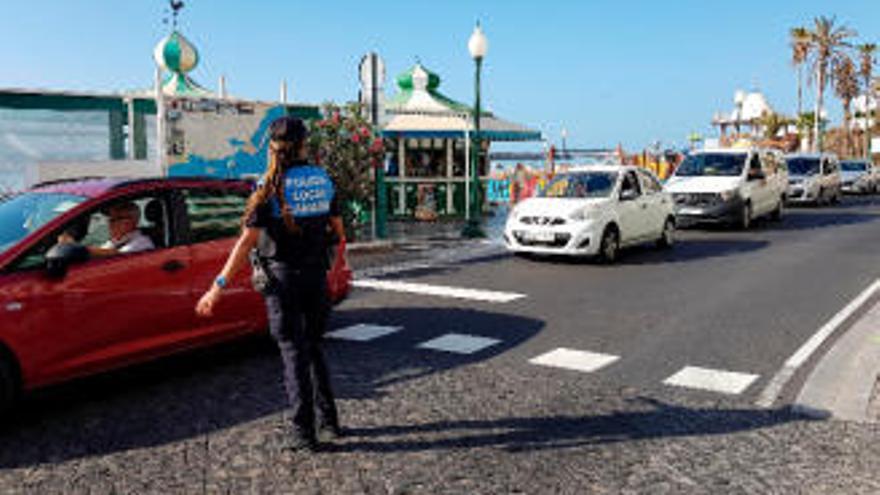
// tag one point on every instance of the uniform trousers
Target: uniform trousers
(298, 308)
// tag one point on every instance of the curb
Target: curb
(842, 384)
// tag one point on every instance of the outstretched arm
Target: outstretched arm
(237, 258)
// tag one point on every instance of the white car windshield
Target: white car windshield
(854, 166)
(712, 164)
(803, 166)
(25, 213)
(580, 185)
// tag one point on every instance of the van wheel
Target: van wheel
(610, 246)
(667, 238)
(9, 386)
(778, 213)
(745, 220)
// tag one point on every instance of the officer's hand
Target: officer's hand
(205, 306)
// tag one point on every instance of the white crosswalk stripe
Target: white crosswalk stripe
(363, 332)
(725, 382)
(573, 359)
(459, 343)
(439, 290)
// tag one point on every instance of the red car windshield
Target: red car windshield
(25, 213)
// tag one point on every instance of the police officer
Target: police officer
(287, 219)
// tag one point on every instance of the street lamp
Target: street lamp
(564, 134)
(478, 46)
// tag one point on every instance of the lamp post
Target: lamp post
(564, 134)
(478, 46)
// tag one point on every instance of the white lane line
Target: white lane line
(459, 343)
(573, 359)
(362, 332)
(773, 389)
(725, 382)
(438, 290)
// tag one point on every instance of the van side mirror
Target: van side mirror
(628, 195)
(61, 256)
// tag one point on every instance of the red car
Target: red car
(74, 317)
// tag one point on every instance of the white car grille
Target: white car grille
(540, 220)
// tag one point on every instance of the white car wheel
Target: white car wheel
(667, 238)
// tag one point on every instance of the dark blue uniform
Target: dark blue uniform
(298, 306)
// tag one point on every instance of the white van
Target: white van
(813, 178)
(733, 186)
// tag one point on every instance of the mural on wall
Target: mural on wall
(218, 138)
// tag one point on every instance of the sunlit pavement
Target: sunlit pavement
(638, 378)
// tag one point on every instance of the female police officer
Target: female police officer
(287, 219)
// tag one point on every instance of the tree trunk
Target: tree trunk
(800, 90)
(820, 92)
(868, 93)
(847, 130)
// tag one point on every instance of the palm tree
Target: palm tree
(800, 47)
(827, 49)
(805, 122)
(866, 70)
(772, 123)
(846, 85)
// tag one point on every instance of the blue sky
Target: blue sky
(608, 71)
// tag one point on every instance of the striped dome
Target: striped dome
(176, 54)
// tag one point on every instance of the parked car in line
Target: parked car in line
(732, 186)
(813, 178)
(859, 177)
(65, 316)
(593, 211)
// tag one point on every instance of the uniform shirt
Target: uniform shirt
(311, 196)
(132, 243)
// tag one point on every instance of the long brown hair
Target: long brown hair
(280, 155)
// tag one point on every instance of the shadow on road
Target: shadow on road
(185, 397)
(662, 420)
(814, 218)
(683, 251)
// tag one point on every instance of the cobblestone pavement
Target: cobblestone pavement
(417, 423)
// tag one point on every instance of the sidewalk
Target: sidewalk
(419, 242)
(844, 383)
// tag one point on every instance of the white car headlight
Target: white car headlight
(728, 195)
(584, 214)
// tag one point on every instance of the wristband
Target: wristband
(220, 281)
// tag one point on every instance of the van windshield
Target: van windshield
(712, 164)
(803, 166)
(25, 213)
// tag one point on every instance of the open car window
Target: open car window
(92, 228)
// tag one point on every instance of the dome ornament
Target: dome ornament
(176, 7)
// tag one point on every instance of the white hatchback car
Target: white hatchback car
(814, 178)
(593, 211)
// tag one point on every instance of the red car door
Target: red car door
(213, 216)
(110, 310)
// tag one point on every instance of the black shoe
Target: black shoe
(296, 443)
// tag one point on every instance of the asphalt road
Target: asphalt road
(724, 300)
(490, 421)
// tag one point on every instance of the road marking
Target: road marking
(459, 343)
(573, 359)
(802, 355)
(363, 332)
(439, 290)
(725, 382)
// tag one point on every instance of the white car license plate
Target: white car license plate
(690, 211)
(540, 236)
